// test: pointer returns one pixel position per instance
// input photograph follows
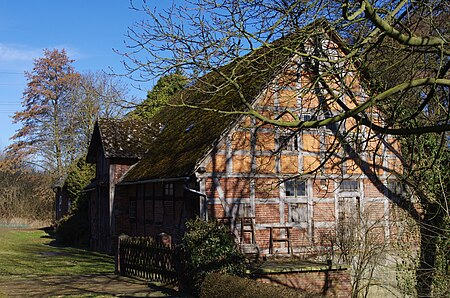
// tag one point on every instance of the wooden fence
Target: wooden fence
(145, 258)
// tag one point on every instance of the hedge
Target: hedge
(217, 285)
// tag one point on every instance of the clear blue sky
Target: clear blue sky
(88, 30)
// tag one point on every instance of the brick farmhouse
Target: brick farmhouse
(281, 190)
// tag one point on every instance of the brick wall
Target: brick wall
(331, 283)
(119, 170)
(374, 211)
(249, 167)
(267, 213)
(370, 191)
(324, 212)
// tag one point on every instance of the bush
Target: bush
(208, 247)
(218, 285)
(73, 229)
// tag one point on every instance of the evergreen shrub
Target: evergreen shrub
(73, 229)
(208, 247)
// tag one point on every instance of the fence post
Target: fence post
(165, 240)
(118, 261)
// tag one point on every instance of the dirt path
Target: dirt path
(81, 286)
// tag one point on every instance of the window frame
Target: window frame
(295, 195)
(395, 186)
(168, 189)
(346, 182)
(349, 209)
(132, 209)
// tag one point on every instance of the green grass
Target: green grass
(28, 253)
(32, 265)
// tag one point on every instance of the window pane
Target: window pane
(288, 142)
(396, 187)
(349, 185)
(290, 187)
(244, 210)
(301, 188)
(168, 189)
(306, 117)
(348, 209)
(132, 209)
(283, 141)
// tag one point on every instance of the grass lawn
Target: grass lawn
(31, 265)
(28, 253)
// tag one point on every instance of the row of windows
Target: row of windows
(291, 142)
(297, 188)
(298, 212)
(294, 188)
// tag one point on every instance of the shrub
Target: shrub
(208, 247)
(73, 229)
(218, 285)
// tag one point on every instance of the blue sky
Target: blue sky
(88, 30)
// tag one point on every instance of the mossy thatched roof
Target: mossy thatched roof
(128, 138)
(189, 134)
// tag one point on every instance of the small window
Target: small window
(298, 213)
(132, 209)
(306, 117)
(60, 202)
(295, 188)
(168, 189)
(350, 185)
(396, 187)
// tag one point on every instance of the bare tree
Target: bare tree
(96, 95)
(399, 49)
(60, 108)
(204, 35)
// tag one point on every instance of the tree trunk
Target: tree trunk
(429, 233)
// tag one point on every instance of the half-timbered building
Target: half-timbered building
(281, 189)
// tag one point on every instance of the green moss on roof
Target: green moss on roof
(189, 134)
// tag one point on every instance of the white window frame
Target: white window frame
(295, 194)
